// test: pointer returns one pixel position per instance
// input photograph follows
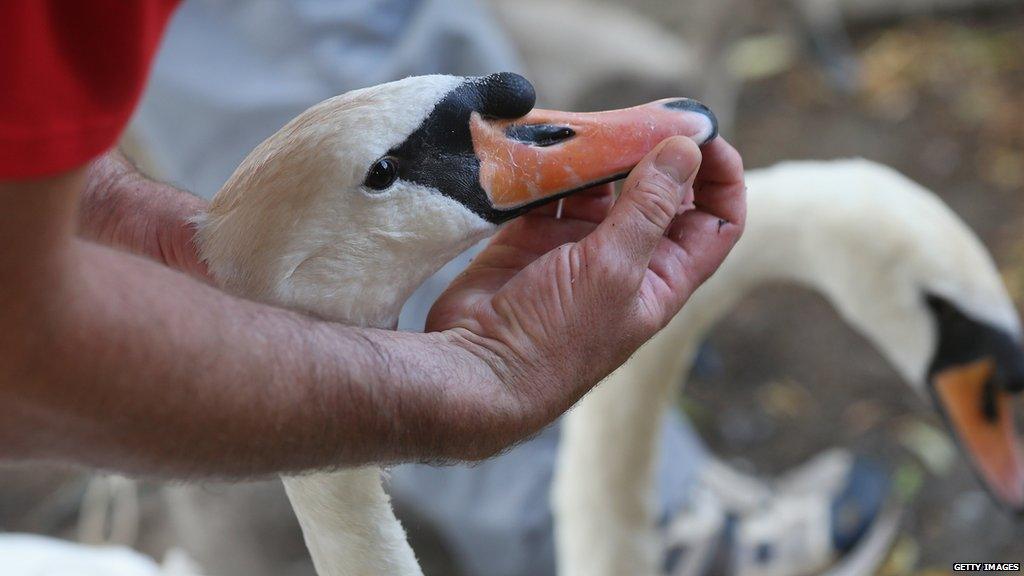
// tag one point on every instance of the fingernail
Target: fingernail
(670, 160)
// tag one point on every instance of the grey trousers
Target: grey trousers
(494, 517)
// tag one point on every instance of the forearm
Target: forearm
(109, 371)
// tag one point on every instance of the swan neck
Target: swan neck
(348, 524)
(609, 451)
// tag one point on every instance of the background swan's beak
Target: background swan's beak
(981, 415)
(548, 154)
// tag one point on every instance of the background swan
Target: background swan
(895, 262)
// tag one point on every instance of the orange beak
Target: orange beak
(982, 419)
(547, 154)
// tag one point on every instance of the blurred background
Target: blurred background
(933, 88)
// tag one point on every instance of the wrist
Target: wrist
(503, 399)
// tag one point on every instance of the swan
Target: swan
(35, 555)
(349, 207)
(898, 266)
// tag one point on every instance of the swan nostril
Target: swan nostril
(539, 134)
(690, 105)
(990, 402)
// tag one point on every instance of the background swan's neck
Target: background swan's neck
(871, 241)
(602, 496)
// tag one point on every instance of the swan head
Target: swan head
(975, 370)
(350, 206)
(968, 359)
(909, 274)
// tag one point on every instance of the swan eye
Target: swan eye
(382, 174)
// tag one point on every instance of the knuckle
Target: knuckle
(655, 198)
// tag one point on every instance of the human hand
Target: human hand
(121, 207)
(554, 305)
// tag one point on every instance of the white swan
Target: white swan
(895, 262)
(34, 555)
(348, 208)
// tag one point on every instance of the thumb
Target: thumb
(657, 189)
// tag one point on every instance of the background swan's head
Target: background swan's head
(364, 195)
(902, 268)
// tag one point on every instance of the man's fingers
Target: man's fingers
(651, 197)
(697, 244)
(722, 163)
(708, 232)
(699, 240)
(720, 211)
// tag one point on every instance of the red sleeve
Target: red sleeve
(71, 72)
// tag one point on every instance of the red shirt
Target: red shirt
(71, 72)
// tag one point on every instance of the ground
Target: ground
(942, 100)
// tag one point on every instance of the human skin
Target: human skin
(117, 352)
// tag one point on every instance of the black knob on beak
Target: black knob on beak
(505, 95)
